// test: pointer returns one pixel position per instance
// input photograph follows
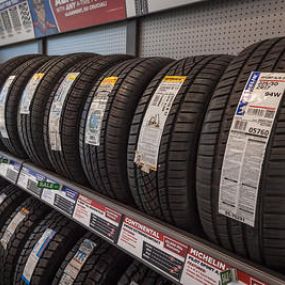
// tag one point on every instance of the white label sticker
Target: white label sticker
(56, 110)
(29, 92)
(3, 196)
(62, 198)
(3, 98)
(4, 166)
(97, 111)
(16, 221)
(29, 179)
(9, 169)
(154, 120)
(246, 145)
(35, 255)
(155, 248)
(74, 266)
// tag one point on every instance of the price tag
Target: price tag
(9, 169)
(29, 179)
(201, 268)
(98, 217)
(59, 196)
(156, 248)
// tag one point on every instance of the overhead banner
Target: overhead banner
(28, 19)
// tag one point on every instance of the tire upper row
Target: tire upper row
(154, 132)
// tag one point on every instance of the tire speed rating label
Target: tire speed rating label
(154, 121)
(155, 248)
(246, 146)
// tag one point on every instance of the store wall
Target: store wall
(19, 49)
(221, 26)
(105, 39)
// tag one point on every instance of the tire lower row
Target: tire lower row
(40, 246)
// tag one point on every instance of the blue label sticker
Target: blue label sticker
(70, 193)
(35, 174)
(252, 81)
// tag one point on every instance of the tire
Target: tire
(105, 165)
(26, 217)
(7, 68)
(168, 192)
(104, 266)
(64, 156)
(10, 197)
(263, 243)
(30, 123)
(139, 274)
(60, 242)
(23, 73)
(11, 64)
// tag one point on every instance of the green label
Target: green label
(48, 185)
(226, 277)
(4, 160)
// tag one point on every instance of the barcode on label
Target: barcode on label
(269, 114)
(12, 175)
(32, 186)
(256, 112)
(240, 125)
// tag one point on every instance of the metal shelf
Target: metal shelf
(175, 254)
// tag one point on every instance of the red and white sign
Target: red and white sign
(98, 217)
(156, 248)
(202, 269)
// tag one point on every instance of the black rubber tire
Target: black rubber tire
(67, 161)
(105, 165)
(30, 126)
(67, 233)
(23, 73)
(14, 197)
(11, 64)
(9, 256)
(105, 265)
(264, 242)
(7, 68)
(169, 192)
(141, 275)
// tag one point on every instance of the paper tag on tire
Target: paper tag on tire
(3, 99)
(36, 254)
(29, 92)
(56, 110)
(73, 268)
(97, 111)
(11, 228)
(157, 112)
(246, 146)
(155, 248)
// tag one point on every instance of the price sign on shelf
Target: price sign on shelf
(29, 180)
(98, 217)
(201, 268)
(9, 169)
(59, 196)
(156, 248)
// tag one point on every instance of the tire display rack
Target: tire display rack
(173, 253)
